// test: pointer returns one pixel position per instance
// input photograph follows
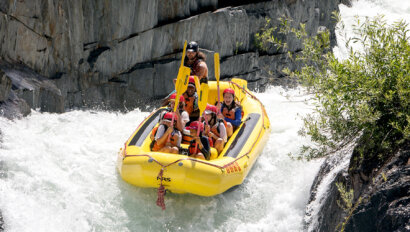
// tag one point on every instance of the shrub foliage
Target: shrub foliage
(363, 98)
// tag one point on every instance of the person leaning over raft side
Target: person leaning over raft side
(215, 128)
(203, 149)
(196, 61)
(162, 132)
(230, 111)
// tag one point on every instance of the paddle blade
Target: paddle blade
(217, 68)
(183, 54)
(203, 98)
(181, 84)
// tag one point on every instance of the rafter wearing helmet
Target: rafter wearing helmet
(215, 128)
(196, 61)
(165, 130)
(230, 111)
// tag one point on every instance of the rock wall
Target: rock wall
(115, 54)
(381, 195)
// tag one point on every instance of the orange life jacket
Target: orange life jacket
(154, 144)
(186, 139)
(229, 113)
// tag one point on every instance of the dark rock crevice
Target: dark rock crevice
(234, 3)
(95, 53)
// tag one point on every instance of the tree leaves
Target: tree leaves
(364, 98)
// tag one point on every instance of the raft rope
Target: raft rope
(161, 189)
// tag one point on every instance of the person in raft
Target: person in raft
(195, 60)
(182, 114)
(230, 111)
(164, 131)
(215, 128)
(199, 146)
(191, 100)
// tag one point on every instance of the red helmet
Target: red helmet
(174, 95)
(191, 81)
(229, 90)
(195, 125)
(211, 109)
(168, 116)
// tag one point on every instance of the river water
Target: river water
(58, 171)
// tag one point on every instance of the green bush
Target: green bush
(363, 99)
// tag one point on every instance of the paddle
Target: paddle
(202, 101)
(181, 84)
(217, 73)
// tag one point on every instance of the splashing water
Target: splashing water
(59, 174)
(58, 171)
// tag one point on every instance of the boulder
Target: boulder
(381, 195)
(32, 89)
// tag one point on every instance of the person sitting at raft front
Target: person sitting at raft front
(165, 130)
(199, 146)
(230, 111)
(215, 128)
(191, 100)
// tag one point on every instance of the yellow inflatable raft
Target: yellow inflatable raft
(139, 166)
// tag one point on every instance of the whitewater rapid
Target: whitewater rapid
(58, 173)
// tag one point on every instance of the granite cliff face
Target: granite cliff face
(117, 54)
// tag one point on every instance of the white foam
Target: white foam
(60, 171)
(61, 177)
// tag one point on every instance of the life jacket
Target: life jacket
(190, 104)
(192, 145)
(229, 113)
(195, 68)
(154, 145)
(186, 139)
(215, 129)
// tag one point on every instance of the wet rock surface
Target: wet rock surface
(119, 55)
(381, 196)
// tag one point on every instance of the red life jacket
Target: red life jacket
(192, 145)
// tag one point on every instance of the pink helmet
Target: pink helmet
(195, 125)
